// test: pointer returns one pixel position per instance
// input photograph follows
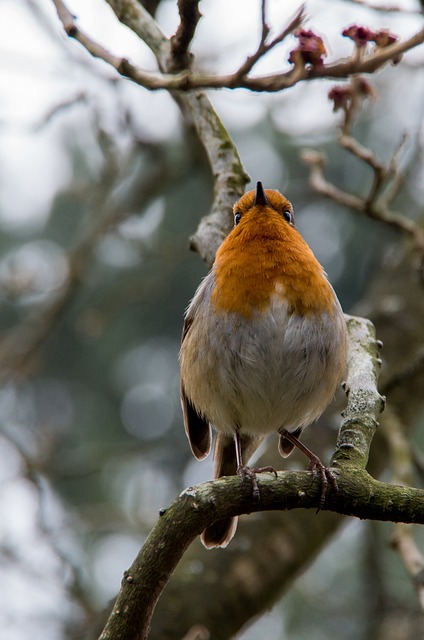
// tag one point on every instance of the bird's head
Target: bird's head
(259, 201)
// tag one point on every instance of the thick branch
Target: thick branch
(226, 167)
(358, 494)
(364, 401)
(230, 177)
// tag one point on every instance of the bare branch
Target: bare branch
(386, 182)
(395, 177)
(317, 162)
(264, 47)
(226, 168)
(198, 506)
(364, 401)
(69, 24)
(134, 16)
(211, 132)
(180, 42)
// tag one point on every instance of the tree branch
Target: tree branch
(264, 47)
(364, 401)
(226, 167)
(386, 177)
(202, 503)
(180, 41)
(373, 206)
(135, 16)
(358, 494)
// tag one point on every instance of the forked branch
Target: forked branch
(387, 178)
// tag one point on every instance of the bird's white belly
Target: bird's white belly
(273, 371)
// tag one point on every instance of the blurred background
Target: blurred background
(101, 185)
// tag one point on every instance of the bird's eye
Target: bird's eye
(289, 217)
(237, 218)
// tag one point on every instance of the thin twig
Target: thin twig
(186, 80)
(393, 173)
(386, 180)
(363, 153)
(316, 162)
(372, 209)
(180, 41)
(264, 47)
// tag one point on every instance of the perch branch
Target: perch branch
(358, 494)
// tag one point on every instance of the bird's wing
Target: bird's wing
(198, 429)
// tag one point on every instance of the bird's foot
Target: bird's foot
(244, 471)
(315, 464)
(327, 476)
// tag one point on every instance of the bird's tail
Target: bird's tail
(221, 532)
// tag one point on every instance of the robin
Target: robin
(263, 346)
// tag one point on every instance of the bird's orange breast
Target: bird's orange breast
(264, 257)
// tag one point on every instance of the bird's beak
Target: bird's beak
(260, 197)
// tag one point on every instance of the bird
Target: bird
(263, 349)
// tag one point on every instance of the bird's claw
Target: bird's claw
(326, 476)
(244, 471)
